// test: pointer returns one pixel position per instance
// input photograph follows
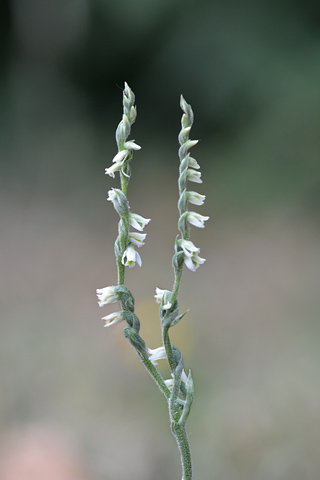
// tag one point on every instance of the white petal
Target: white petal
(137, 238)
(195, 198)
(113, 318)
(194, 176)
(120, 157)
(196, 219)
(131, 146)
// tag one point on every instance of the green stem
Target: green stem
(168, 347)
(181, 437)
(155, 374)
(176, 285)
(121, 271)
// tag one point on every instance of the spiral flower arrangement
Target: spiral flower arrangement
(179, 389)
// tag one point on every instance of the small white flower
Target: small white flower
(121, 157)
(157, 354)
(112, 195)
(160, 294)
(130, 257)
(106, 295)
(170, 381)
(184, 377)
(193, 262)
(193, 163)
(114, 168)
(195, 198)
(194, 176)
(189, 144)
(196, 219)
(188, 248)
(137, 238)
(137, 221)
(112, 318)
(131, 145)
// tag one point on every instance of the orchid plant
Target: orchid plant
(179, 389)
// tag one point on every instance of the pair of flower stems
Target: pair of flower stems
(179, 389)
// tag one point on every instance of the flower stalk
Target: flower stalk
(179, 389)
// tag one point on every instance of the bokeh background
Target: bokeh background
(75, 403)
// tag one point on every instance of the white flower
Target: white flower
(131, 145)
(159, 295)
(137, 238)
(157, 354)
(193, 163)
(196, 219)
(121, 157)
(113, 318)
(130, 257)
(106, 295)
(194, 176)
(193, 262)
(112, 195)
(137, 221)
(114, 168)
(184, 377)
(196, 198)
(170, 381)
(188, 247)
(189, 144)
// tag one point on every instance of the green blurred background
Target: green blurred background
(73, 395)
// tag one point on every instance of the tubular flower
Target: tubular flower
(162, 294)
(170, 381)
(114, 168)
(195, 198)
(121, 157)
(131, 257)
(193, 163)
(193, 262)
(113, 318)
(194, 176)
(112, 195)
(196, 219)
(157, 354)
(131, 146)
(137, 238)
(106, 295)
(188, 248)
(137, 221)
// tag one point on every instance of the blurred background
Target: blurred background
(75, 403)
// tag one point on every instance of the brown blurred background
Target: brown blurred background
(75, 403)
